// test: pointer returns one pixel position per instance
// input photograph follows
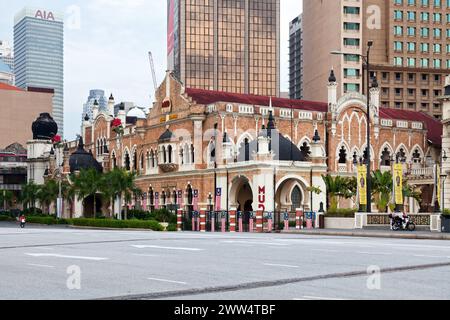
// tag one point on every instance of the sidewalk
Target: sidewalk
(368, 233)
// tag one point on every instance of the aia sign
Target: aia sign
(44, 15)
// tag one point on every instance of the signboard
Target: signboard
(398, 183)
(362, 184)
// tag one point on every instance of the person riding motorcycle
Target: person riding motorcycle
(22, 220)
(397, 217)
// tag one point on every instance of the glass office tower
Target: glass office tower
(39, 54)
(225, 45)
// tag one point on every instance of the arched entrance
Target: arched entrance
(88, 208)
(241, 197)
(290, 196)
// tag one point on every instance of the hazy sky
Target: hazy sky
(106, 47)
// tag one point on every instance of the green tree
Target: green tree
(29, 195)
(6, 198)
(48, 194)
(339, 187)
(408, 192)
(382, 184)
(88, 183)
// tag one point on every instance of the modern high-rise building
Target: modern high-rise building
(6, 54)
(409, 56)
(295, 59)
(39, 54)
(95, 95)
(225, 45)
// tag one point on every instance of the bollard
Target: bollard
(213, 222)
(194, 221)
(298, 219)
(223, 222)
(241, 224)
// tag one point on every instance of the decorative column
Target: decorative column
(203, 220)
(232, 219)
(180, 219)
(259, 221)
(298, 219)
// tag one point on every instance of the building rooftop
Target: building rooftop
(4, 86)
(201, 96)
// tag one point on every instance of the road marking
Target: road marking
(165, 280)
(40, 265)
(321, 298)
(280, 265)
(167, 248)
(54, 255)
(376, 253)
(254, 242)
(326, 250)
(146, 255)
(426, 256)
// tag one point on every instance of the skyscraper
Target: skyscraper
(410, 53)
(225, 45)
(95, 95)
(295, 59)
(39, 54)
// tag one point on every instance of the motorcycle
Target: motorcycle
(22, 223)
(403, 224)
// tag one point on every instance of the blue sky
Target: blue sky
(106, 47)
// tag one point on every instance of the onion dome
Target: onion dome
(86, 117)
(111, 97)
(374, 82)
(332, 77)
(95, 102)
(166, 136)
(44, 128)
(136, 113)
(83, 160)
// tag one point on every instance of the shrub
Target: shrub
(120, 224)
(164, 215)
(6, 218)
(172, 227)
(341, 213)
(446, 213)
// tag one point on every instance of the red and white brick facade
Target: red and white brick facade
(263, 184)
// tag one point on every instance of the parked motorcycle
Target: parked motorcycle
(403, 224)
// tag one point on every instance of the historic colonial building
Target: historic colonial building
(258, 153)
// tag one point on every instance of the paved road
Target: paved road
(39, 263)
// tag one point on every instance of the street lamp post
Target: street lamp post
(366, 59)
(443, 178)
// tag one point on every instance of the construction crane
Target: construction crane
(152, 66)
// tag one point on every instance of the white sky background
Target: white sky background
(106, 48)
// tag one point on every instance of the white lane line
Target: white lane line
(427, 256)
(254, 242)
(167, 248)
(376, 253)
(41, 265)
(280, 265)
(145, 255)
(326, 250)
(54, 255)
(321, 298)
(165, 280)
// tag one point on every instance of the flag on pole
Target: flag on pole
(156, 200)
(438, 184)
(218, 199)
(195, 200)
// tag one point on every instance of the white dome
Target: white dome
(136, 112)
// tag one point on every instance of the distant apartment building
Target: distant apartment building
(95, 95)
(225, 45)
(295, 59)
(39, 54)
(410, 54)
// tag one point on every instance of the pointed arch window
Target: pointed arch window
(386, 157)
(343, 155)
(416, 157)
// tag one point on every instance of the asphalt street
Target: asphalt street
(65, 263)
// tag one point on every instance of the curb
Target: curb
(110, 229)
(372, 235)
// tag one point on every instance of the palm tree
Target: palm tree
(339, 187)
(88, 183)
(408, 192)
(129, 189)
(48, 194)
(382, 189)
(29, 195)
(6, 198)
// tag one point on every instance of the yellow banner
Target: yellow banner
(362, 184)
(398, 183)
(439, 193)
